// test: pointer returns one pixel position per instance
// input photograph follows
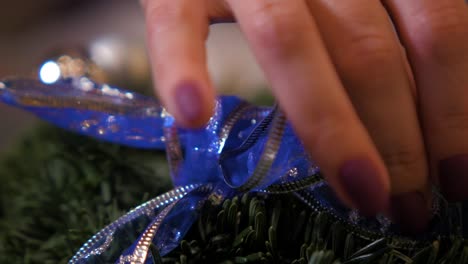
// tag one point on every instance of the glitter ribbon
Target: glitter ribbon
(243, 148)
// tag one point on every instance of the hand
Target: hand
(381, 113)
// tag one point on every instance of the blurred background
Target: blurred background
(112, 34)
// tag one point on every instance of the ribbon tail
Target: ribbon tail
(168, 228)
(119, 231)
(91, 109)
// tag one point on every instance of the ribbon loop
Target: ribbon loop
(275, 122)
(106, 238)
(168, 227)
(82, 106)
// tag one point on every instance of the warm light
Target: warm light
(107, 52)
(50, 72)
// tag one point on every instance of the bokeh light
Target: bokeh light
(49, 72)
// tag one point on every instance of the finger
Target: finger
(176, 32)
(369, 60)
(287, 44)
(436, 36)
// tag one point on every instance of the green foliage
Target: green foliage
(281, 229)
(58, 189)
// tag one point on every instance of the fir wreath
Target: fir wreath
(59, 188)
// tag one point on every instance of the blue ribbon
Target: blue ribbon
(243, 148)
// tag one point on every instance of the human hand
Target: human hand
(381, 123)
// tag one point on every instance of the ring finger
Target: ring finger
(436, 35)
(369, 60)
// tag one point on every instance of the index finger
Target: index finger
(176, 32)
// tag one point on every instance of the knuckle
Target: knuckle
(275, 27)
(366, 51)
(455, 120)
(403, 161)
(441, 31)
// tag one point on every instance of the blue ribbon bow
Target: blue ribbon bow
(243, 148)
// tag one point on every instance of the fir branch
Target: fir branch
(58, 189)
(256, 228)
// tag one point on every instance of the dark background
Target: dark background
(34, 31)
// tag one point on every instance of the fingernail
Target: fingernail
(410, 212)
(453, 177)
(188, 102)
(360, 179)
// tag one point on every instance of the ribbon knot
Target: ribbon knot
(243, 148)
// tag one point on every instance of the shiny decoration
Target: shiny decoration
(243, 149)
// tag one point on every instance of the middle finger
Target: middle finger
(286, 42)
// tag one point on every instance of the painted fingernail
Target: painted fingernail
(453, 177)
(410, 212)
(360, 179)
(188, 102)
